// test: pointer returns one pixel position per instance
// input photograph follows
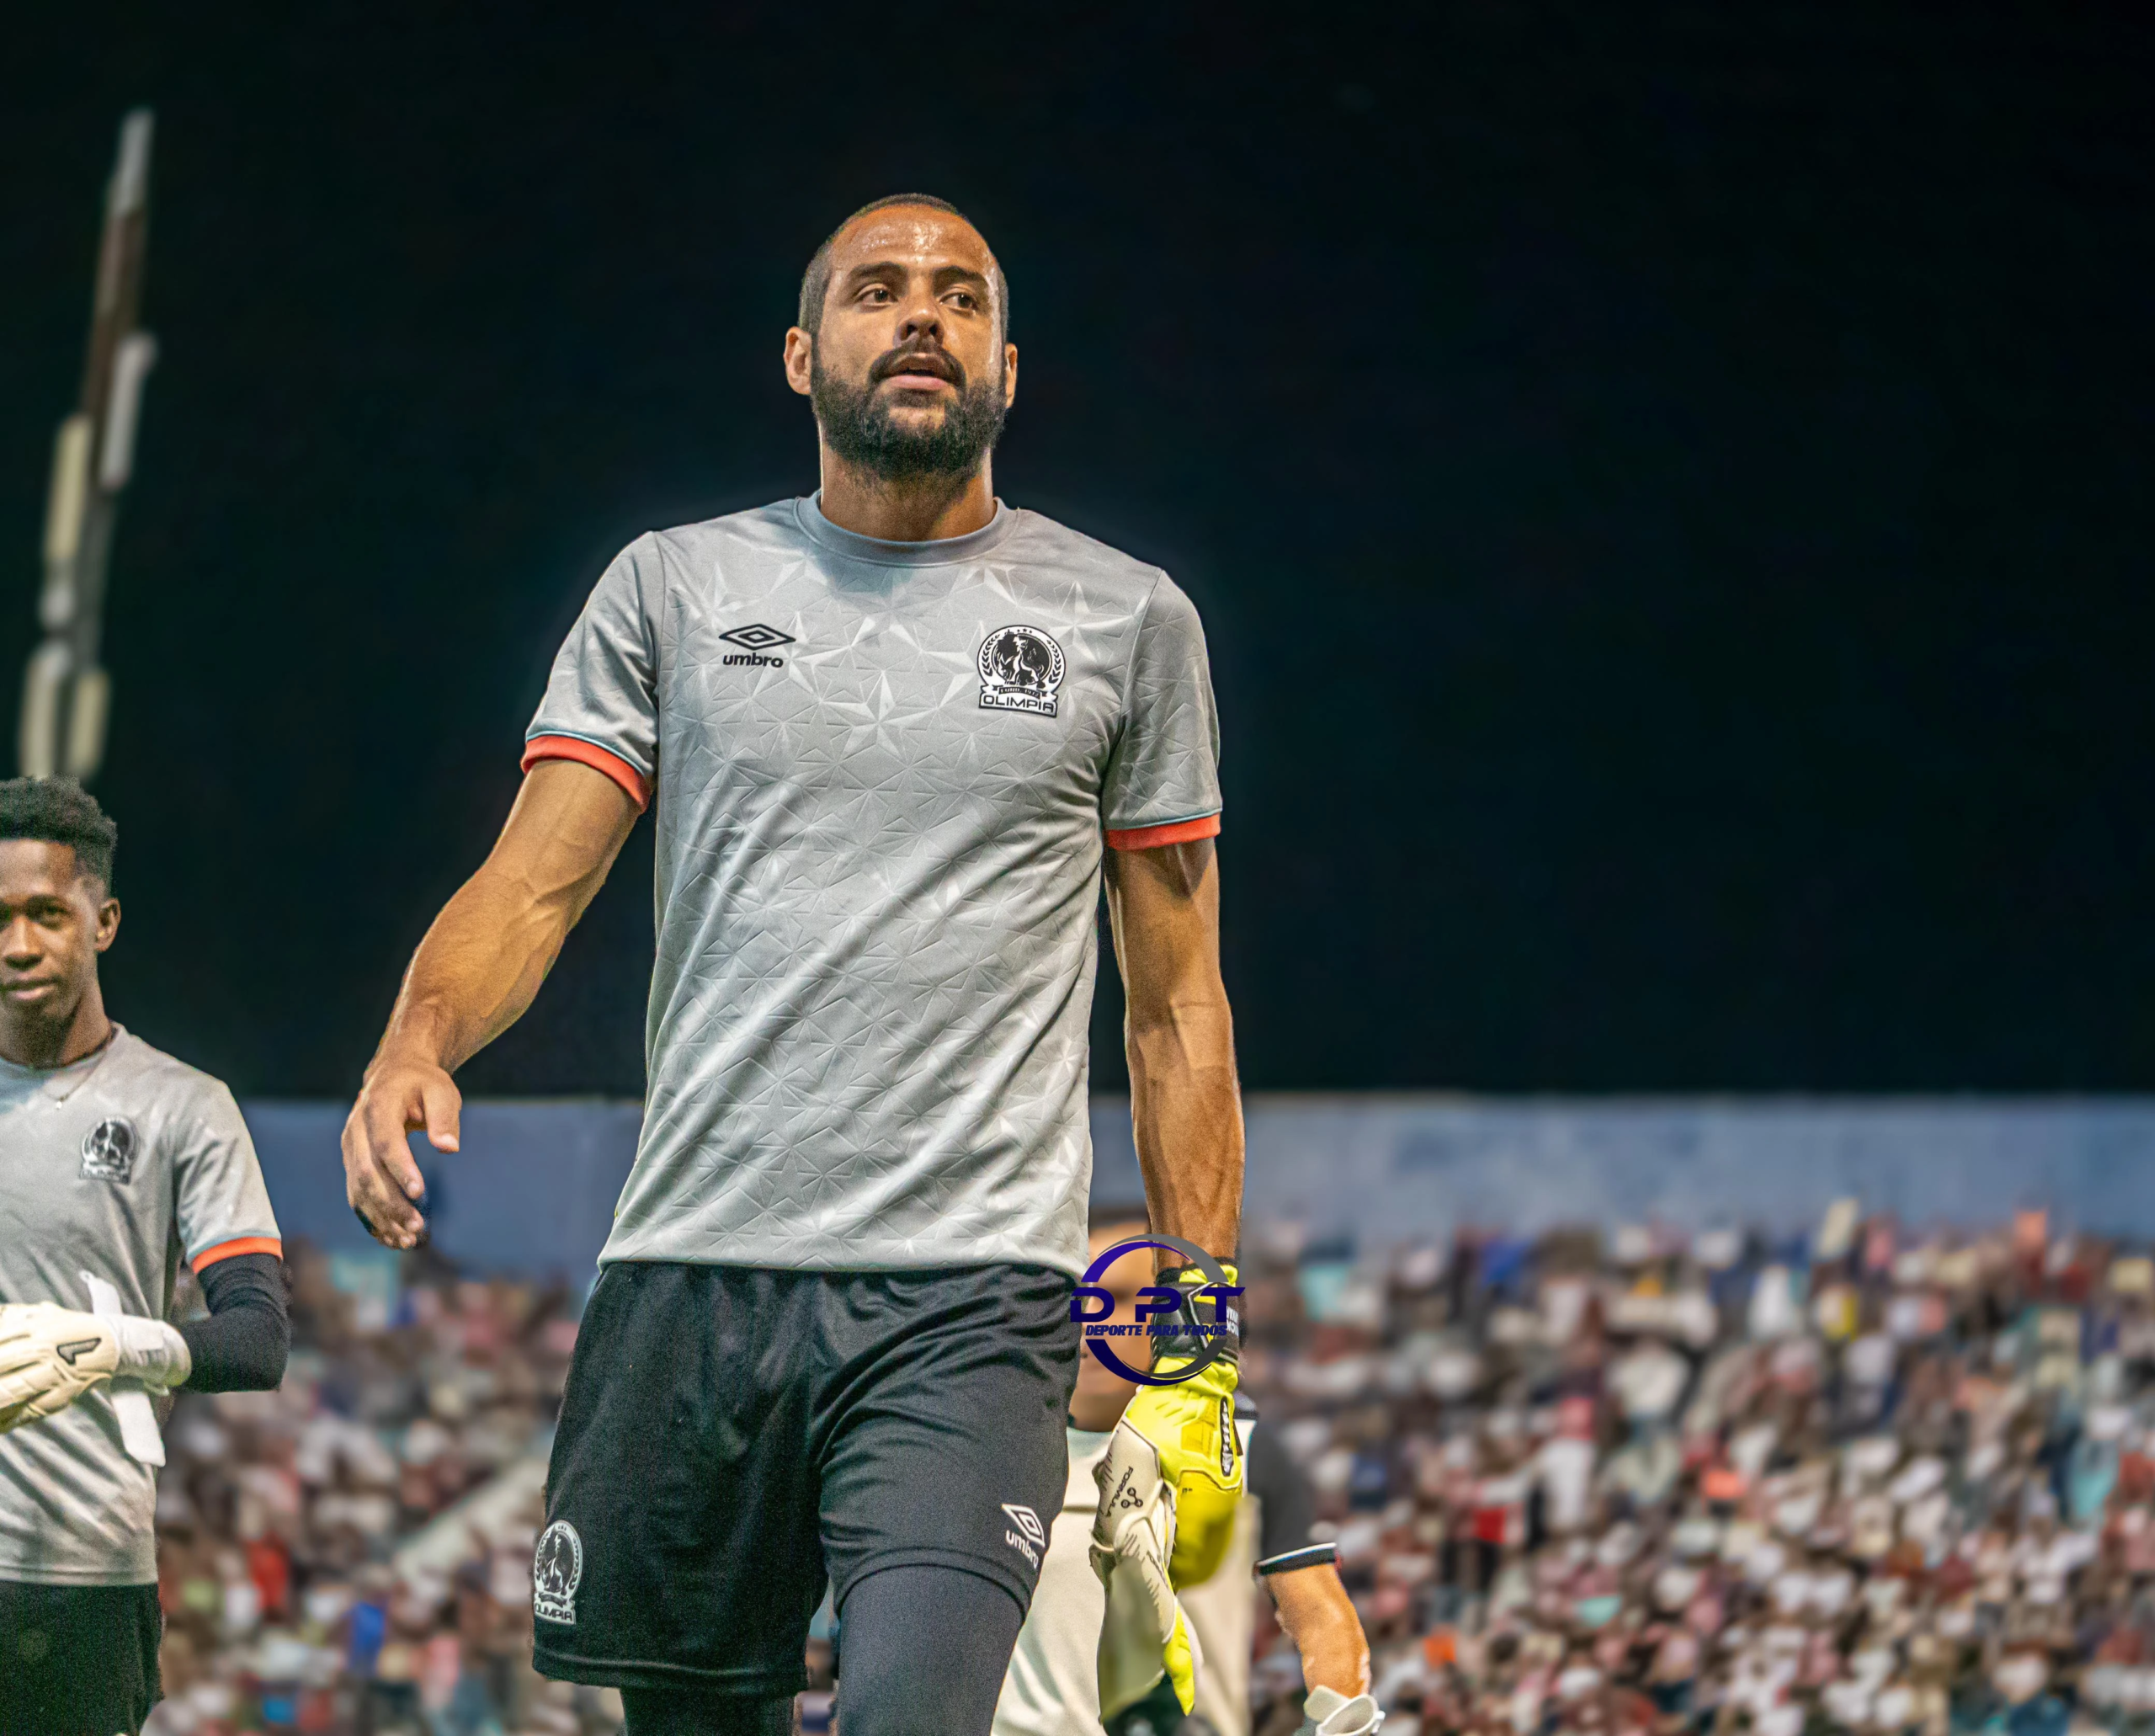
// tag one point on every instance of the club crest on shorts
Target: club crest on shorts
(109, 1150)
(1021, 670)
(556, 1568)
(1030, 1535)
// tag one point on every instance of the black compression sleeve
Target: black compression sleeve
(241, 1348)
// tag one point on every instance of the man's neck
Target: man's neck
(40, 1044)
(929, 510)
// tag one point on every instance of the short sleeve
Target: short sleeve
(223, 1206)
(601, 706)
(1162, 783)
(1287, 1507)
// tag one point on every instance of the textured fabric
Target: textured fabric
(122, 1166)
(733, 1436)
(883, 772)
(78, 1660)
(242, 1347)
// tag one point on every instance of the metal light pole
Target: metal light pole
(66, 691)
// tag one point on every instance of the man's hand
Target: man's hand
(400, 1096)
(50, 1356)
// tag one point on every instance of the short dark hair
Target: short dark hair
(816, 281)
(60, 811)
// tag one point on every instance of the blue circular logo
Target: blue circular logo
(1154, 1302)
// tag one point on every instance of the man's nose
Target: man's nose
(18, 942)
(923, 319)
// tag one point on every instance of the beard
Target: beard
(859, 427)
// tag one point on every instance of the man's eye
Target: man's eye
(965, 299)
(876, 292)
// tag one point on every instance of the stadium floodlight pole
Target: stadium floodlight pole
(66, 692)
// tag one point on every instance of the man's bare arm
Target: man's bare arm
(1185, 1105)
(474, 974)
(1320, 1618)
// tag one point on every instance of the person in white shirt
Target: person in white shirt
(1053, 1686)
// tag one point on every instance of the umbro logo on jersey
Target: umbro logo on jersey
(1021, 670)
(754, 640)
(1030, 1535)
(109, 1150)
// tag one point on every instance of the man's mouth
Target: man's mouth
(23, 987)
(922, 371)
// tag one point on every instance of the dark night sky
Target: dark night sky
(1668, 488)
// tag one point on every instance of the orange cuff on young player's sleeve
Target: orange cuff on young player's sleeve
(239, 1244)
(590, 753)
(1151, 838)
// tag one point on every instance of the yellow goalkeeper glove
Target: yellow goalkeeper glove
(1181, 1437)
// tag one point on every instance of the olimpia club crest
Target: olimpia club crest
(109, 1150)
(556, 1569)
(1021, 670)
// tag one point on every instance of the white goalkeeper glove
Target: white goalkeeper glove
(50, 1356)
(1327, 1712)
(1146, 1633)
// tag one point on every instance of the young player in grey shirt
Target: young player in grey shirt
(116, 1162)
(893, 735)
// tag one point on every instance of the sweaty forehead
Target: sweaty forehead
(911, 234)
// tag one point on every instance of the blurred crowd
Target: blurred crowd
(352, 1554)
(1855, 1481)
(1603, 1481)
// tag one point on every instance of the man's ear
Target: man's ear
(108, 923)
(1010, 375)
(799, 358)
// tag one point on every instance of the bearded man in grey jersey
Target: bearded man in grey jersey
(116, 1162)
(893, 731)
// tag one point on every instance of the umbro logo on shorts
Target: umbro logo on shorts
(1030, 1536)
(754, 640)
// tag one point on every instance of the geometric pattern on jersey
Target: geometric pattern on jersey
(121, 1165)
(884, 775)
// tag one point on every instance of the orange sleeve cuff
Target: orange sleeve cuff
(569, 747)
(239, 1244)
(1151, 838)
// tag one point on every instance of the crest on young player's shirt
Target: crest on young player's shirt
(556, 1569)
(109, 1150)
(1021, 670)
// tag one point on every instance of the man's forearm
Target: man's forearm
(1320, 1619)
(1186, 1113)
(482, 961)
(477, 972)
(1185, 1104)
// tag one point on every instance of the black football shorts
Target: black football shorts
(78, 1660)
(733, 1436)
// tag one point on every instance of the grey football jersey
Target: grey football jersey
(884, 774)
(121, 1166)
